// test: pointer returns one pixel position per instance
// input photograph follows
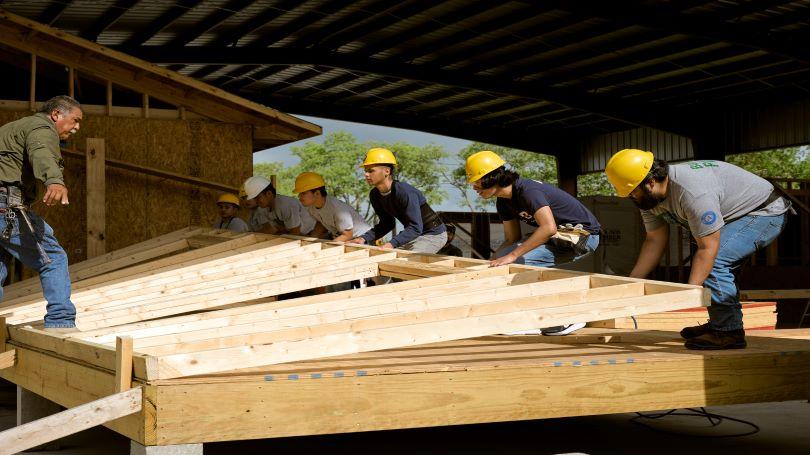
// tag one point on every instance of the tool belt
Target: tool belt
(10, 196)
(430, 219)
(571, 237)
(771, 198)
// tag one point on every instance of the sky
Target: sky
(365, 133)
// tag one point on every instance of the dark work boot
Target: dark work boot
(715, 339)
(694, 331)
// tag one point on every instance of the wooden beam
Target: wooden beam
(157, 172)
(775, 294)
(145, 104)
(141, 76)
(123, 363)
(71, 82)
(32, 85)
(399, 330)
(109, 98)
(70, 421)
(96, 197)
(3, 334)
(7, 359)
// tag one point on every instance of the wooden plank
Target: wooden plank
(71, 82)
(32, 308)
(123, 363)
(32, 84)
(3, 334)
(775, 294)
(109, 98)
(398, 330)
(155, 172)
(343, 402)
(7, 359)
(391, 291)
(71, 384)
(235, 331)
(96, 198)
(71, 421)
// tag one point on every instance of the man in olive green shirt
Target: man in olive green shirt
(29, 151)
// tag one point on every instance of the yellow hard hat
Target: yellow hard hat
(482, 163)
(379, 155)
(627, 168)
(242, 192)
(230, 198)
(308, 181)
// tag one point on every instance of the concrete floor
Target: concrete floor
(785, 429)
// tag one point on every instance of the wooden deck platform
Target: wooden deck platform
(487, 379)
(192, 318)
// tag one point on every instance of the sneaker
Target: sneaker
(695, 331)
(715, 339)
(563, 329)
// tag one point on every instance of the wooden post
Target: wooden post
(96, 197)
(181, 112)
(772, 253)
(123, 363)
(3, 334)
(108, 110)
(32, 99)
(71, 82)
(145, 105)
(273, 181)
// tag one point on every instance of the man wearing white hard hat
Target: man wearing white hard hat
(286, 213)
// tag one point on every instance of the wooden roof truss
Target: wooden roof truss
(201, 301)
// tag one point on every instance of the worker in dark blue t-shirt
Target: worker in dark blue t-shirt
(392, 200)
(566, 230)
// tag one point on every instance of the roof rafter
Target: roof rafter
(110, 17)
(599, 104)
(172, 14)
(54, 11)
(671, 19)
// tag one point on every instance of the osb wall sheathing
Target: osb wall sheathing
(138, 206)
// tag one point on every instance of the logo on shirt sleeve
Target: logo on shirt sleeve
(708, 218)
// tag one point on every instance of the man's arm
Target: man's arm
(511, 234)
(651, 251)
(42, 146)
(546, 227)
(703, 261)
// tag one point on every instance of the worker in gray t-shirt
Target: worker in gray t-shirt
(730, 212)
(339, 219)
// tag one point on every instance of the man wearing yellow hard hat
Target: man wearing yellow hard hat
(730, 212)
(538, 205)
(228, 205)
(392, 200)
(340, 220)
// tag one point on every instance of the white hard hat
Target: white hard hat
(255, 185)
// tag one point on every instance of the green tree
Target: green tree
(270, 169)
(338, 160)
(594, 184)
(530, 165)
(780, 163)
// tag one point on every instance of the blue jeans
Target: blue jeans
(738, 240)
(54, 276)
(549, 255)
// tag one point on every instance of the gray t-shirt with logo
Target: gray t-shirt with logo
(705, 195)
(337, 216)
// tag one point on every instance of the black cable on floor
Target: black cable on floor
(714, 420)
